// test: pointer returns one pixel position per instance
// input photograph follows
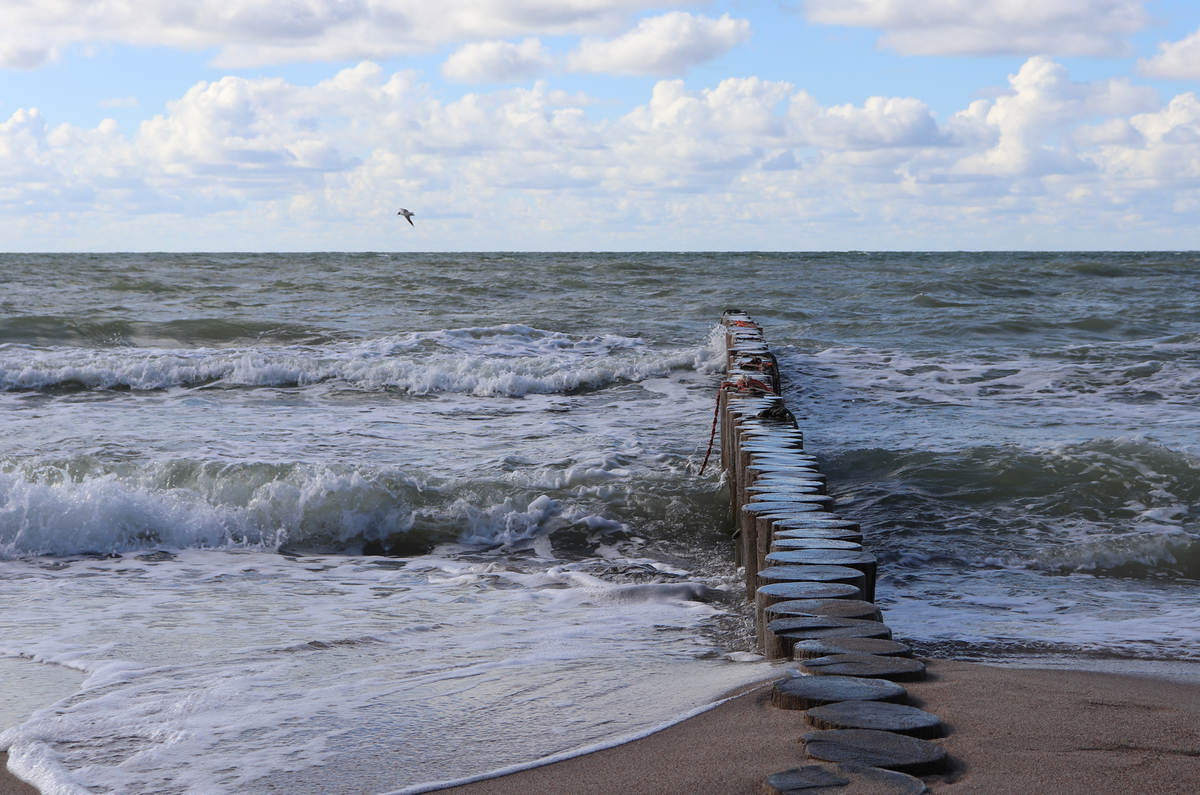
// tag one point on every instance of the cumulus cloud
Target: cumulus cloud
(254, 136)
(747, 156)
(991, 27)
(497, 62)
(1165, 152)
(1044, 102)
(1176, 59)
(882, 123)
(662, 46)
(258, 32)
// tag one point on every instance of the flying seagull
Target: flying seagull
(407, 215)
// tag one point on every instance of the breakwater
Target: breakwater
(813, 587)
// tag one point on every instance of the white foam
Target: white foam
(1123, 388)
(47, 512)
(44, 512)
(231, 672)
(572, 754)
(213, 470)
(510, 360)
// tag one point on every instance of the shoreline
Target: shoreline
(1009, 731)
(10, 784)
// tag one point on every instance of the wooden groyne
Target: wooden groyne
(813, 587)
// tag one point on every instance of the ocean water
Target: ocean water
(362, 522)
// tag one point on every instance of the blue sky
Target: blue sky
(598, 125)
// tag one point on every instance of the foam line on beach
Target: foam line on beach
(433, 786)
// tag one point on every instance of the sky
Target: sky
(599, 125)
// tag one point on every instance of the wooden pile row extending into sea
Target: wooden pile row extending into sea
(813, 587)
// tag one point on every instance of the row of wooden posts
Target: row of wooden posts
(813, 588)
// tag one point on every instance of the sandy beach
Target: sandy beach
(1009, 731)
(10, 784)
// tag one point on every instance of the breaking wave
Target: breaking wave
(81, 508)
(507, 360)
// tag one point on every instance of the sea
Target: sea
(371, 522)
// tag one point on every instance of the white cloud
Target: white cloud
(51, 170)
(882, 123)
(259, 138)
(781, 161)
(753, 163)
(663, 46)
(1043, 104)
(23, 52)
(1165, 153)
(257, 32)
(497, 62)
(1175, 59)
(990, 27)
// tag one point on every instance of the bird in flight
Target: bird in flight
(408, 214)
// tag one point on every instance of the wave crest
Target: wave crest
(507, 360)
(80, 507)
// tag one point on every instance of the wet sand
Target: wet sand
(10, 784)
(1010, 731)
